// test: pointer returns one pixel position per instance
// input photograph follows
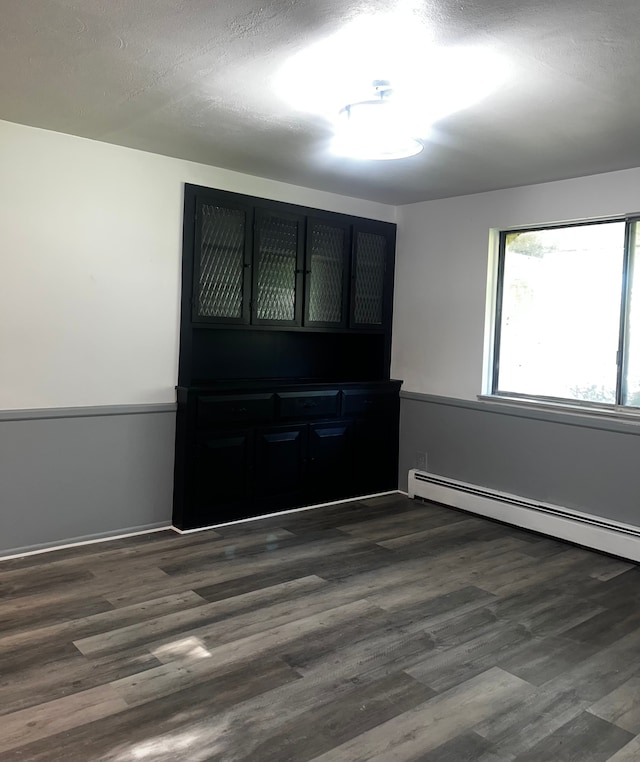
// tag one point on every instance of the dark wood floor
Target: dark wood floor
(386, 630)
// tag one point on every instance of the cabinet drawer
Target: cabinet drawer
(309, 404)
(239, 408)
(367, 402)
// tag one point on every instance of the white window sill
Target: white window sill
(614, 413)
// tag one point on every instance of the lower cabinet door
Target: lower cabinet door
(222, 477)
(330, 461)
(375, 455)
(280, 461)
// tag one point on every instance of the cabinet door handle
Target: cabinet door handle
(308, 404)
(368, 402)
(239, 410)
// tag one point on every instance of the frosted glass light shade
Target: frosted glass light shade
(375, 130)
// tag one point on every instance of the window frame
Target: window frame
(497, 288)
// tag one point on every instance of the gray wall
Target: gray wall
(82, 473)
(585, 463)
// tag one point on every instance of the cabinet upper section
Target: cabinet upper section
(253, 262)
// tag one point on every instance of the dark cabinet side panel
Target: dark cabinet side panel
(375, 429)
(375, 455)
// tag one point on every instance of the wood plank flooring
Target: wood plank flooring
(386, 630)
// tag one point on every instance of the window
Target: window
(568, 314)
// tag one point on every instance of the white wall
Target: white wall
(90, 248)
(442, 264)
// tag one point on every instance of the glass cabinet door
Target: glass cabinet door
(222, 285)
(326, 293)
(372, 275)
(277, 268)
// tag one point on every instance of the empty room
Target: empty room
(320, 401)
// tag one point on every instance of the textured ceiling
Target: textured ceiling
(195, 79)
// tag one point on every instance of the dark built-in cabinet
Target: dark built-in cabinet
(251, 452)
(284, 396)
(269, 267)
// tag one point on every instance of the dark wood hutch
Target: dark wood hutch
(284, 395)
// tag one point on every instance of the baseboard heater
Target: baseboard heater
(563, 523)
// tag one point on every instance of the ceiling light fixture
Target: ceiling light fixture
(387, 123)
(375, 129)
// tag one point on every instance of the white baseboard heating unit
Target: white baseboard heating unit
(563, 523)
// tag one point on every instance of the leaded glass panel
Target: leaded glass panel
(327, 273)
(277, 265)
(221, 262)
(369, 276)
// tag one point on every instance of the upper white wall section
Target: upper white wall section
(90, 252)
(442, 264)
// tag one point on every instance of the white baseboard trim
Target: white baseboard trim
(585, 529)
(33, 550)
(284, 513)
